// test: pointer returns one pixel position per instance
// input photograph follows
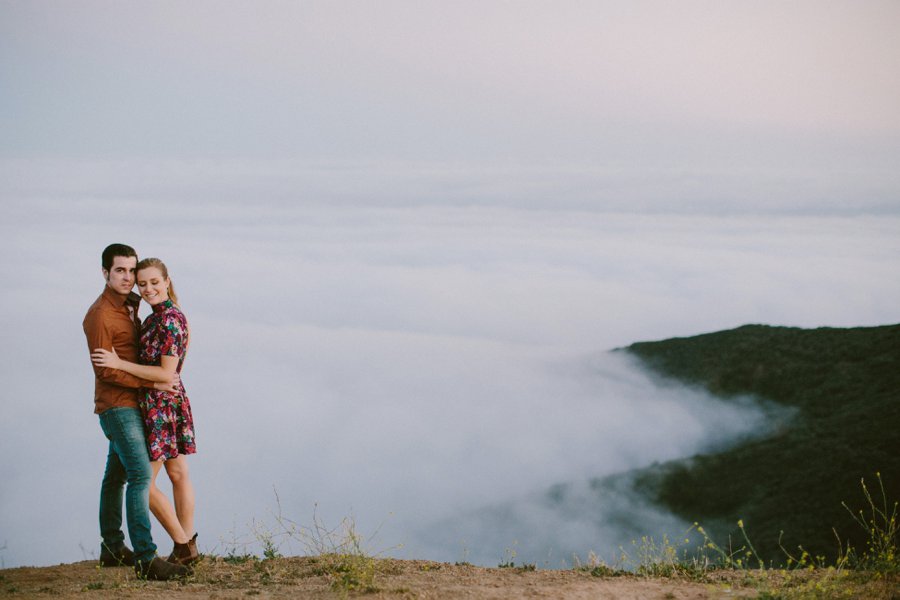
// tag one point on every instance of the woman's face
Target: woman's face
(153, 286)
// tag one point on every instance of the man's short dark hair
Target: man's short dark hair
(114, 250)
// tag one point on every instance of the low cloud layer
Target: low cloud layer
(815, 183)
(408, 365)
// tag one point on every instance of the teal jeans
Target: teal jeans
(128, 469)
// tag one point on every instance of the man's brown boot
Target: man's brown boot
(185, 554)
(121, 558)
(160, 570)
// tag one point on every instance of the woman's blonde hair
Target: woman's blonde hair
(155, 262)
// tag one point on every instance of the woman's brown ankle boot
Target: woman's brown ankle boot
(185, 554)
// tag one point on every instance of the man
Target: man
(112, 323)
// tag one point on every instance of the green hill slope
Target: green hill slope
(845, 385)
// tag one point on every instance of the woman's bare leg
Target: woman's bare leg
(162, 508)
(183, 492)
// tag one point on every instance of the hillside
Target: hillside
(845, 386)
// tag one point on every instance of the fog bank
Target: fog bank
(417, 367)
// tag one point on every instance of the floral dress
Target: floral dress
(167, 416)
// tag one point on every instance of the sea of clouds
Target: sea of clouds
(431, 368)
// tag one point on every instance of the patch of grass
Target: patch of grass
(237, 559)
(352, 572)
(603, 571)
(596, 567)
(342, 552)
(236, 546)
(873, 571)
(510, 562)
(664, 558)
(880, 523)
(522, 568)
(267, 539)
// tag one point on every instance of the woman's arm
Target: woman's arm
(111, 360)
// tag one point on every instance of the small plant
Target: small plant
(665, 558)
(353, 573)
(340, 552)
(465, 557)
(881, 524)
(596, 567)
(803, 560)
(510, 562)
(354, 568)
(236, 547)
(740, 558)
(238, 559)
(603, 571)
(266, 539)
(270, 550)
(344, 552)
(87, 554)
(510, 558)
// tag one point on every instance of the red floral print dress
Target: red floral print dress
(167, 416)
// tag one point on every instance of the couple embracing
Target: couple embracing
(144, 413)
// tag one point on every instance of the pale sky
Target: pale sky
(658, 82)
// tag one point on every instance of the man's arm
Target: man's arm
(99, 336)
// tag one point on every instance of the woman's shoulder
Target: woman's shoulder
(173, 314)
(168, 314)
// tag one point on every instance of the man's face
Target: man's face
(120, 277)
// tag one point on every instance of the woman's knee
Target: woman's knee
(177, 471)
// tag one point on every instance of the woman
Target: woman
(167, 416)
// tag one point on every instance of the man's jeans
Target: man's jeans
(129, 462)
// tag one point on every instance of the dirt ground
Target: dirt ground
(336, 576)
(312, 577)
